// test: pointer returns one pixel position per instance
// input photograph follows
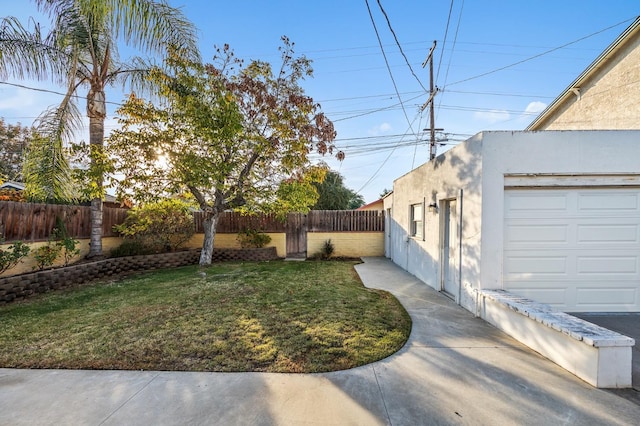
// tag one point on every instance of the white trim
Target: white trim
(412, 231)
(564, 181)
(442, 201)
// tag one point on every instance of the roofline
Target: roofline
(13, 183)
(369, 204)
(586, 74)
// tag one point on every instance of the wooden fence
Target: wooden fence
(317, 221)
(345, 221)
(34, 222)
(31, 222)
(232, 223)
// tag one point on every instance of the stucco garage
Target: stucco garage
(576, 249)
(508, 223)
(553, 216)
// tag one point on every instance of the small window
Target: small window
(417, 228)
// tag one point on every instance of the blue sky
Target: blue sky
(497, 64)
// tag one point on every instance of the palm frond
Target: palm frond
(135, 75)
(153, 26)
(26, 54)
(61, 122)
(87, 40)
(46, 172)
(46, 168)
(54, 7)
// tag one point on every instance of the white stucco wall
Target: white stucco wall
(477, 169)
(458, 171)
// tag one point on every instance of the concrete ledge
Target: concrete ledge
(597, 355)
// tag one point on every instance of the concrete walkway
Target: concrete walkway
(455, 369)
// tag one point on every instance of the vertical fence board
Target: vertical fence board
(34, 222)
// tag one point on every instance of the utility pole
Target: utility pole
(432, 93)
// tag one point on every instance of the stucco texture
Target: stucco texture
(608, 99)
(347, 244)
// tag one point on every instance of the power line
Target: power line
(373, 111)
(38, 89)
(399, 46)
(540, 54)
(416, 42)
(386, 159)
(367, 97)
(353, 115)
(453, 48)
(395, 87)
(517, 95)
(444, 42)
(415, 149)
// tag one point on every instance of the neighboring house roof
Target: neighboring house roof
(376, 205)
(19, 186)
(12, 185)
(610, 57)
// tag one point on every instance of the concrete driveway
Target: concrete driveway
(455, 369)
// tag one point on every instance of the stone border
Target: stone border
(19, 287)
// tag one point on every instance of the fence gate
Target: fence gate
(296, 236)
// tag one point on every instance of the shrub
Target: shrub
(13, 255)
(251, 238)
(45, 256)
(12, 195)
(69, 248)
(67, 245)
(327, 250)
(159, 227)
(130, 248)
(59, 243)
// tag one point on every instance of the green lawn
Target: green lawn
(272, 316)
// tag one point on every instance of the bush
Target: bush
(327, 250)
(66, 244)
(251, 238)
(69, 248)
(14, 255)
(130, 248)
(59, 243)
(12, 195)
(46, 255)
(159, 227)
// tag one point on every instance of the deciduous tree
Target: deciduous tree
(333, 195)
(14, 140)
(233, 137)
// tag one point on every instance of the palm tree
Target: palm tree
(80, 52)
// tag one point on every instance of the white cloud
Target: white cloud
(492, 117)
(380, 129)
(535, 108)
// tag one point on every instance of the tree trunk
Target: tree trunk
(96, 112)
(209, 224)
(95, 243)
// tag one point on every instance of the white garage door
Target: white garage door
(575, 249)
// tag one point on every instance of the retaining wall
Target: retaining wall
(19, 287)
